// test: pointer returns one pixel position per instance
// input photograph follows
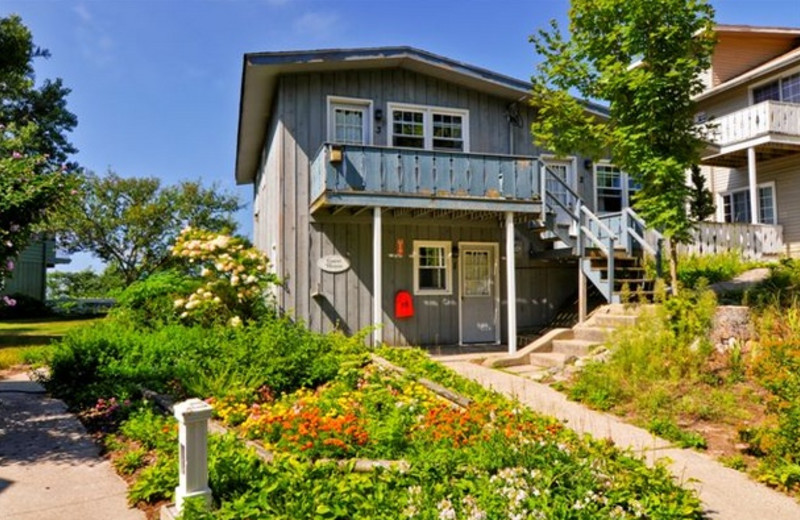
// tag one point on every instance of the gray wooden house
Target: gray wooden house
(400, 189)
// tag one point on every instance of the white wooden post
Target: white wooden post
(511, 284)
(751, 176)
(193, 416)
(377, 277)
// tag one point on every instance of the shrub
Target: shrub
(150, 302)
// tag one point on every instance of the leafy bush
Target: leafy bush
(714, 268)
(115, 358)
(150, 302)
(781, 288)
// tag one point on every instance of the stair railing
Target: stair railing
(635, 233)
(590, 229)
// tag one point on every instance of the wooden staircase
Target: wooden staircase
(610, 248)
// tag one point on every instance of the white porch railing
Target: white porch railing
(767, 117)
(753, 241)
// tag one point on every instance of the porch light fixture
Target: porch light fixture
(587, 163)
(454, 252)
(335, 155)
(379, 114)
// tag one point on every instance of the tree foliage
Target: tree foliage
(83, 284)
(130, 223)
(34, 121)
(643, 58)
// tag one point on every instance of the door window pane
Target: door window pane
(477, 273)
(790, 88)
(766, 205)
(770, 91)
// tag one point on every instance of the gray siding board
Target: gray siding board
(345, 299)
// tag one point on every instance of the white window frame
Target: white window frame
(771, 79)
(427, 122)
(624, 180)
(366, 105)
(570, 162)
(769, 184)
(448, 265)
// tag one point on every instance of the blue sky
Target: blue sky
(155, 84)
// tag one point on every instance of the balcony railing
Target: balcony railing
(765, 118)
(753, 241)
(399, 177)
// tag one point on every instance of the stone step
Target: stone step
(615, 320)
(589, 333)
(549, 359)
(573, 347)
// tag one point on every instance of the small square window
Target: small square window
(432, 267)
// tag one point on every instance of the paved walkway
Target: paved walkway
(726, 493)
(49, 466)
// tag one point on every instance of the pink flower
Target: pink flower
(9, 265)
(9, 301)
(73, 192)
(16, 155)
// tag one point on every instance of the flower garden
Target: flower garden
(348, 436)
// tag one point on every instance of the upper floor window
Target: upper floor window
(614, 188)
(564, 170)
(348, 120)
(428, 128)
(785, 89)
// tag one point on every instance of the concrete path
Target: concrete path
(726, 493)
(49, 466)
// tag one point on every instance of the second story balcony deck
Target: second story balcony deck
(352, 175)
(771, 127)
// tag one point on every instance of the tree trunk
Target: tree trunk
(673, 265)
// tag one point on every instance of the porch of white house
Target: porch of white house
(744, 140)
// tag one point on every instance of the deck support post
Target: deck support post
(511, 284)
(377, 277)
(753, 182)
(582, 306)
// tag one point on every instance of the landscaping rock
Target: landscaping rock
(731, 325)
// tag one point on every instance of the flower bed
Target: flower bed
(492, 459)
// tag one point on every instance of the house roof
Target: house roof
(261, 70)
(755, 30)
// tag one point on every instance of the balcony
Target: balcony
(771, 127)
(350, 175)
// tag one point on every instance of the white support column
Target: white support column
(193, 415)
(751, 179)
(511, 284)
(377, 277)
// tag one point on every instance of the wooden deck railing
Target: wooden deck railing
(753, 241)
(767, 117)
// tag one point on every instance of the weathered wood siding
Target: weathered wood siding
(295, 240)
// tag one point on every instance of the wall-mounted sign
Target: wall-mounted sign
(333, 263)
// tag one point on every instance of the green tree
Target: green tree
(701, 201)
(34, 121)
(130, 223)
(83, 284)
(643, 58)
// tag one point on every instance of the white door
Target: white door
(480, 302)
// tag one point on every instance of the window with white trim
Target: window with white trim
(428, 128)
(348, 120)
(433, 267)
(786, 89)
(614, 188)
(736, 205)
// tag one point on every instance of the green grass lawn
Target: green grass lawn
(23, 338)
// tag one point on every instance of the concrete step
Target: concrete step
(573, 347)
(589, 333)
(524, 370)
(615, 320)
(548, 359)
